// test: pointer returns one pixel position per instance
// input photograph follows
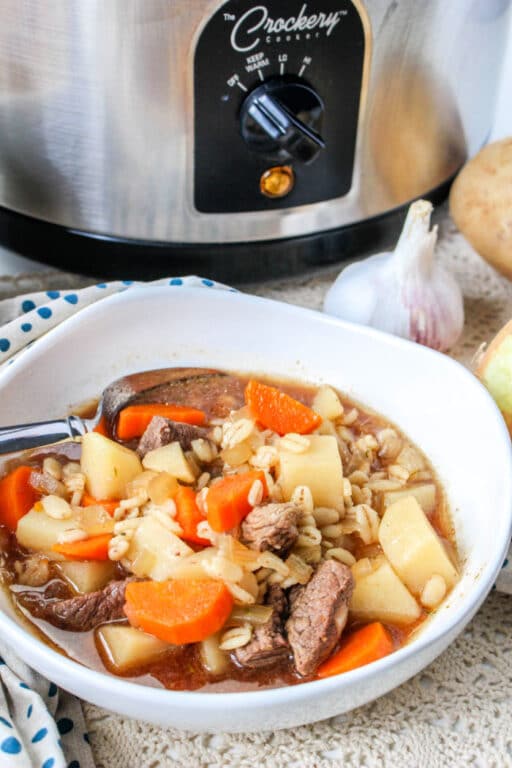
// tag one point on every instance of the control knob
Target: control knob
(281, 119)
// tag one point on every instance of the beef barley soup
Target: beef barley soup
(225, 532)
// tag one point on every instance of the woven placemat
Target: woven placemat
(457, 712)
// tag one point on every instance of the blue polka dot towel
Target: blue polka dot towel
(40, 726)
(23, 319)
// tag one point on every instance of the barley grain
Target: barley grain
(118, 547)
(255, 495)
(294, 443)
(303, 498)
(52, 467)
(433, 592)
(71, 535)
(56, 507)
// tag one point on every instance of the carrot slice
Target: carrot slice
(227, 501)
(93, 548)
(188, 515)
(134, 419)
(109, 505)
(278, 411)
(101, 427)
(178, 611)
(17, 497)
(363, 646)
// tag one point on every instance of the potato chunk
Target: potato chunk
(319, 468)
(424, 494)
(154, 550)
(327, 403)
(127, 647)
(170, 458)
(107, 466)
(36, 530)
(379, 595)
(413, 547)
(87, 575)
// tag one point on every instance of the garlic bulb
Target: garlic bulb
(405, 291)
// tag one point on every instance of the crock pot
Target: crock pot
(241, 139)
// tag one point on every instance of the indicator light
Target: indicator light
(277, 181)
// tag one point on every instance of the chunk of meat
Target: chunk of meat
(271, 527)
(32, 571)
(77, 614)
(162, 431)
(318, 615)
(43, 482)
(268, 645)
(66, 451)
(214, 392)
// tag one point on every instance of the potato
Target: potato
(379, 595)
(495, 371)
(327, 403)
(38, 531)
(319, 468)
(88, 575)
(107, 466)
(127, 647)
(424, 494)
(481, 204)
(169, 458)
(154, 550)
(413, 547)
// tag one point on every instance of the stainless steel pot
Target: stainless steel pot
(161, 120)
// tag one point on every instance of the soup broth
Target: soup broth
(324, 480)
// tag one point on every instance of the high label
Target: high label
(246, 34)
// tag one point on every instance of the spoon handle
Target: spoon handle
(25, 436)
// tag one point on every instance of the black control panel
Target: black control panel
(276, 83)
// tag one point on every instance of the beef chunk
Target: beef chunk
(268, 644)
(271, 527)
(80, 613)
(46, 483)
(319, 614)
(216, 468)
(162, 431)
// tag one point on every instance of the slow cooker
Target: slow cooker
(238, 139)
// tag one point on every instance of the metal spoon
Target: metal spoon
(179, 386)
(26, 436)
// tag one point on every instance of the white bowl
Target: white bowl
(438, 403)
